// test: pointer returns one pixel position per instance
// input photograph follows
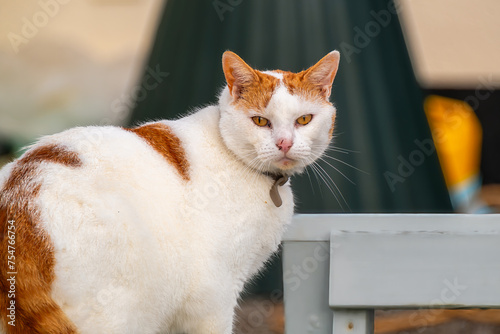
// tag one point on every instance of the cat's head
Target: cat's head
(275, 121)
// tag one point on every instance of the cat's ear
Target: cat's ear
(237, 73)
(323, 73)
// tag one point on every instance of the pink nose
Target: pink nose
(284, 145)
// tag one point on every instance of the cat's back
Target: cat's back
(97, 167)
(100, 156)
(85, 203)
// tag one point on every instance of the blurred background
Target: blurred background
(418, 127)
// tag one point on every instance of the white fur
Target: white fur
(274, 74)
(140, 250)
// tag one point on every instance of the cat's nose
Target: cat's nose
(284, 144)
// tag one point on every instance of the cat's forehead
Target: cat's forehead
(257, 96)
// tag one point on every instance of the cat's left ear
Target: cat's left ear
(323, 73)
(238, 74)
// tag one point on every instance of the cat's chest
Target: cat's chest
(236, 221)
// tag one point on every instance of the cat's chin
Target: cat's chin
(286, 163)
(287, 167)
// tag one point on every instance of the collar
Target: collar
(279, 180)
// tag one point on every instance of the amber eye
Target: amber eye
(260, 121)
(303, 120)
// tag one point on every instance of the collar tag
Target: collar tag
(280, 180)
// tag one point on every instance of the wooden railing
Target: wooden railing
(338, 269)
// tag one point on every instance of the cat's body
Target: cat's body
(153, 229)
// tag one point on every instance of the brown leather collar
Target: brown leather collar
(279, 180)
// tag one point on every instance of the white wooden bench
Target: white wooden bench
(337, 268)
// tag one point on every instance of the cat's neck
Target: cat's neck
(208, 148)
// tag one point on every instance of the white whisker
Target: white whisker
(343, 162)
(338, 170)
(334, 184)
(321, 173)
(316, 174)
(310, 180)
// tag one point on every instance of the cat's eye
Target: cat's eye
(304, 119)
(260, 121)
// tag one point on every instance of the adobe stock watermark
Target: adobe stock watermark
(93, 138)
(406, 168)
(103, 298)
(448, 295)
(121, 106)
(201, 198)
(223, 6)
(298, 273)
(263, 310)
(32, 25)
(364, 35)
(11, 272)
(482, 92)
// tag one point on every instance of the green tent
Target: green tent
(382, 157)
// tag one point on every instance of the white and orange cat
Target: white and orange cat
(156, 229)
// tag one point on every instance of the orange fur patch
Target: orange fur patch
(35, 311)
(160, 137)
(298, 84)
(330, 133)
(52, 153)
(257, 94)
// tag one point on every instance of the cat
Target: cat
(156, 229)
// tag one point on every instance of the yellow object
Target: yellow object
(457, 136)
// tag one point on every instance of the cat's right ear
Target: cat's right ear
(237, 73)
